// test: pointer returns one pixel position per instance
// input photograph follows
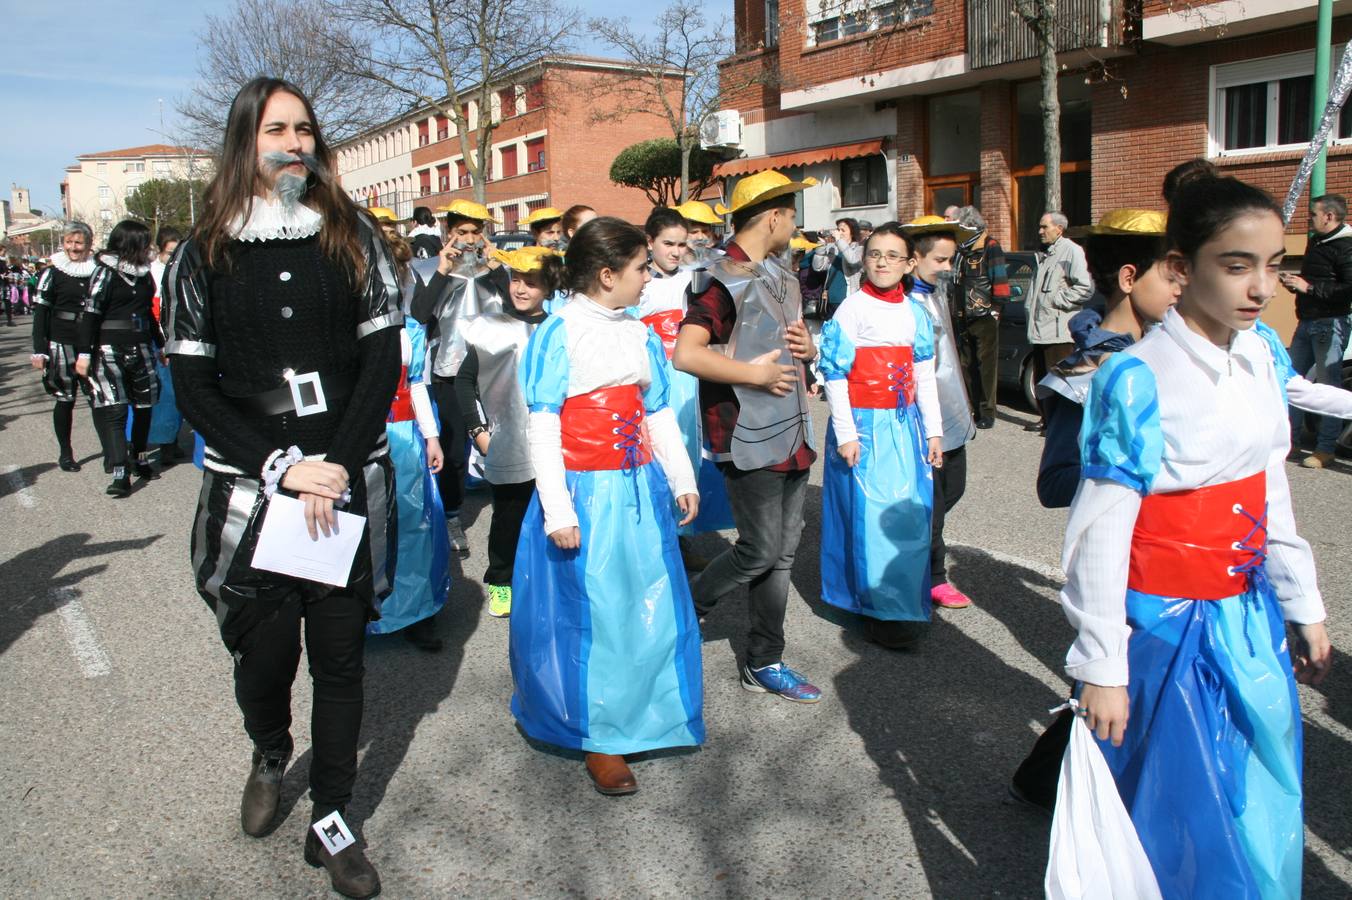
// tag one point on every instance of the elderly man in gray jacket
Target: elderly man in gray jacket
(1063, 287)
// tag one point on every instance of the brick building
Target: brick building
(547, 149)
(903, 107)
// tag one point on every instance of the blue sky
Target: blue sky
(87, 76)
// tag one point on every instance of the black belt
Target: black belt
(305, 395)
(65, 316)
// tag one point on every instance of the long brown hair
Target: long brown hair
(232, 192)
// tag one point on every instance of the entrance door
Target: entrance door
(941, 193)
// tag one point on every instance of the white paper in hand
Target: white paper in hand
(1095, 851)
(285, 546)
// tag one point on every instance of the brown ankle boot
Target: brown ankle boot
(611, 774)
(262, 792)
(350, 872)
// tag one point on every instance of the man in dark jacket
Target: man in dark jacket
(983, 285)
(1323, 292)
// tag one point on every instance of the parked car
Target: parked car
(512, 240)
(1015, 361)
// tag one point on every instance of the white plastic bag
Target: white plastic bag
(1095, 853)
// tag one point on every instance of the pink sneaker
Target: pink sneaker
(949, 597)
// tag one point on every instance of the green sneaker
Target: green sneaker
(500, 600)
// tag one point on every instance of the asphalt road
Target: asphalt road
(124, 756)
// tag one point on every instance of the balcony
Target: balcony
(996, 35)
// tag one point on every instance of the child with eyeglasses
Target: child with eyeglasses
(884, 437)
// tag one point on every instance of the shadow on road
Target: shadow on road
(31, 577)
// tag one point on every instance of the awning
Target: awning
(753, 164)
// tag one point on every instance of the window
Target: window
(535, 155)
(1076, 129)
(424, 182)
(772, 23)
(509, 161)
(535, 95)
(161, 168)
(830, 20)
(1075, 202)
(538, 203)
(103, 168)
(507, 102)
(511, 217)
(106, 215)
(461, 173)
(1264, 104)
(134, 167)
(423, 129)
(105, 192)
(954, 134)
(444, 177)
(443, 128)
(863, 182)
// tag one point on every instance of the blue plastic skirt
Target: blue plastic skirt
(876, 519)
(605, 650)
(715, 512)
(1210, 769)
(422, 576)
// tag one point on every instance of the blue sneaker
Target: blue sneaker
(780, 679)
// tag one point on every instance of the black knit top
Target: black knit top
(116, 298)
(282, 307)
(57, 292)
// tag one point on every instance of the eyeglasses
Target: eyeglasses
(890, 256)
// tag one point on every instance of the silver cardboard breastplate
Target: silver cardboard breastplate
(769, 428)
(468, 295)
(499, 340)
(953, 405)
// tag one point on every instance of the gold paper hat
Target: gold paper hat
(760, 187)
(525, 259)
(938, 224)
(695, 211)
(542, 215)
(801, 243)
(383, 214)
(468, 209)
(1130, 223)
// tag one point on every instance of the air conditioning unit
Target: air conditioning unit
(723, 129)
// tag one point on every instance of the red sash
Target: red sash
(401, 410)
(667, 325)
(604, 430)
(1190, 543)
(879, 374)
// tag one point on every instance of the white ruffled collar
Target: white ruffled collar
(125, 268)
(63, 263)
(274, 222)
(425, 229)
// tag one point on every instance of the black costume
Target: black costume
(121, 336)
(275, 349)
(61, 293)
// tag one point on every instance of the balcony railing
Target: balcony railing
(996, 35)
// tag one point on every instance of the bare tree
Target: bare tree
(676, 74)
(290, 39)
(443, 55)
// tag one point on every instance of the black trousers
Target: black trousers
(768, 509)
(111, 424)
(981, 343)
(950, 483)
(509, 510)
(454, 443)
(267, 654)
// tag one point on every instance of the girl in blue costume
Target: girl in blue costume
(1184, 567)
(422, 575)
(605, 650)
(877, 359)
(662, 308)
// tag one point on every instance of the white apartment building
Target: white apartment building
(96, 188)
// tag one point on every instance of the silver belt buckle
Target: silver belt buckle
(307, 393)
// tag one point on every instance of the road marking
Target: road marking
(84, 643)
(16, 485)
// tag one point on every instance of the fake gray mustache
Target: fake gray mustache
(276, 160)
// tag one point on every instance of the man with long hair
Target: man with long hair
(284, 332)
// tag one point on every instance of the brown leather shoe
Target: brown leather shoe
(611, 774)
(350, 872)
(262, 792)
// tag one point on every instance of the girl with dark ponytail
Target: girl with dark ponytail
(1184, 567)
